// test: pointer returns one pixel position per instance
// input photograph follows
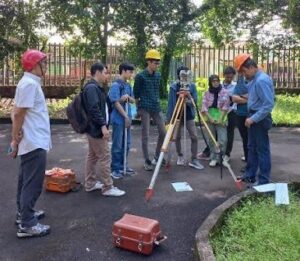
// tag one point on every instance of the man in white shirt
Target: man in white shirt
(31, 140)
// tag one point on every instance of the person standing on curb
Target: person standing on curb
(146, 93)
(121, 93)
(31, 139)
(259, 121)
(95, 103)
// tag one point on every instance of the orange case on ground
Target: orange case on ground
(59, 180)
(137, 234)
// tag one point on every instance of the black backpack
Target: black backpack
(77, 115)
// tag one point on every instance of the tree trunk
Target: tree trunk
(165, 70)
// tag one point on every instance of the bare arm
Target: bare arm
(18, 116)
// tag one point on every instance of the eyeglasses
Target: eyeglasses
(156, 63)
(215, 81)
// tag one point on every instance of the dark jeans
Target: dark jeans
(243, 130)
(118, 146)
(259, 155)
(230, 132)
(30, 184)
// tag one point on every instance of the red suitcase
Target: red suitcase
(137, 234)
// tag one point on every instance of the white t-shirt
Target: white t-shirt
(36, 126)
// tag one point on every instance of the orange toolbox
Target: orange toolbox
(60, 180)
(138, 234)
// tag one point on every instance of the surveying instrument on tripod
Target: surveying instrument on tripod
(185, 92)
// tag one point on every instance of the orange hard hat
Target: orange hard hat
(240, 59)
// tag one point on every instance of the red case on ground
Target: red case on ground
(137, 234)
(60, 180)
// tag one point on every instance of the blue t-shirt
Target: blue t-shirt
(241, 89)
(118, 89)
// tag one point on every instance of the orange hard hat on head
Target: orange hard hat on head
(240, 59)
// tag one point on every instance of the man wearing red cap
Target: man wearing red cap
(30, 140)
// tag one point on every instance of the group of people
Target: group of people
(246, 104)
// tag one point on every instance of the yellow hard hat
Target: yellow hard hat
(153, 54)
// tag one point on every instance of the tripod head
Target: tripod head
(185, 79)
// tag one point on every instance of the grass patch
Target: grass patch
(259, 230)
(286, 110)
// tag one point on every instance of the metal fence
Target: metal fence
(66, 70)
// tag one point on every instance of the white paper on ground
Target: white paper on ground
(265, 188)
(181, 186)
(282, 194)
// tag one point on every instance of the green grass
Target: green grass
(286, 110)
(259, 230)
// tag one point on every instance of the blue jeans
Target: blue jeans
(117, 148)
(259, 154)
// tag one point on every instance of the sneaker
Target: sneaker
(37, 213)
(155, 160)
(213, 163)
(129, 172)
(98, 186)
(36, 231)
(195, 163)
(180, 161)
(226, 158)
(113, 192)
(148, 165)
(116, 175)
(243, 158)
(203, 156)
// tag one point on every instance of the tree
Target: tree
(91, 20)
(166, 24)
(228, 20)
(19, 21)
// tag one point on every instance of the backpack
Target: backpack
(77, 115)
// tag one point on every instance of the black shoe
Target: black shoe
(148, 166)
(155, 160)
(37, 213)
(246, 179)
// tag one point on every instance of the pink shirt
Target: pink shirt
(223, 100)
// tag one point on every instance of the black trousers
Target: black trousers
(30, 184)
(230, 132)
(243, 130)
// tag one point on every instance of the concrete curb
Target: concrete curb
(203, 247)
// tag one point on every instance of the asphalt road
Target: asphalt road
(81, 223)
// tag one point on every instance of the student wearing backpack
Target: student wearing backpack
(121, 95)
(31, 139)
(95, 101)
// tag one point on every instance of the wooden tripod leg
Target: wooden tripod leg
(149, 191)
(206, 126)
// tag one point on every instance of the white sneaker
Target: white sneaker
(180, 161)
(213, 163)
(226, 158)
(113, 192)
(98, 186)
